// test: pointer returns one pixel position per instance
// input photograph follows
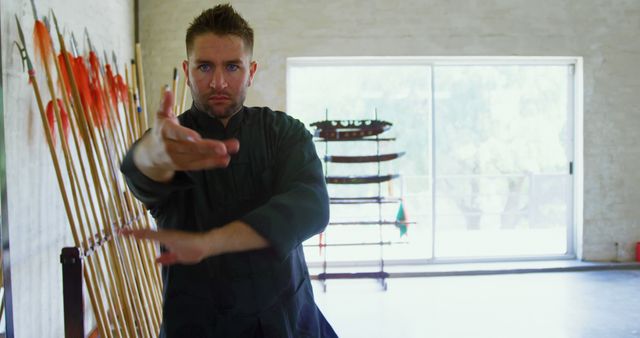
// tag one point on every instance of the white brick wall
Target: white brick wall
(38, 224)
(604, 32)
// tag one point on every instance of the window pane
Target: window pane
(399, 94)
(503, 150)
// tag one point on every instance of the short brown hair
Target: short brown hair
(220, 20)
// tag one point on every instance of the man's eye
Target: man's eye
(204, 67)
(232, 67)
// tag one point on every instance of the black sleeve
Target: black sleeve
(299, 207)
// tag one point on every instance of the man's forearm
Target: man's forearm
(234, 237)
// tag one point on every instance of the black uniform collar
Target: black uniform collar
(213, 127)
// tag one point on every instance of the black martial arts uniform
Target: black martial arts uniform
(274, 184)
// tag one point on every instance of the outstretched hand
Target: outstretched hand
(181, 247)
(171, 147)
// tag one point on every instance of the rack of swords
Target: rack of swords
(91, 114)
(341, 131)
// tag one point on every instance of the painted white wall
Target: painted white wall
(37, 223)
(604, 32)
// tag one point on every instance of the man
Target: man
(235, 191)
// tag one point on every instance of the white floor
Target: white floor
(585, 304)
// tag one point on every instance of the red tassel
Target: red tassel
(82, 80)
(111, 82)
(99, 112)
(42, 42)
(65, 76)
(95, 66)
(123, 89)
(50, 119)
(64, 117)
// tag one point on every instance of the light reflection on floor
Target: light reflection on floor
(587, 304)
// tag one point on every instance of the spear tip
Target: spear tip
(33, 9)
(23, 49)
(47, 23)
(55, 21)
(91, 46)
(74, 45)
(115, 61)
(20, 33)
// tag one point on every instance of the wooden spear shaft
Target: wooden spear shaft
(49, 139)
(109, 150)
(65, 149)
(141, 221)
(60, 181)
(107, 202)
(112, 217)
(79, 108)
(143, 101)
(174, 90)
(115, 208)
(112, 278)
(96, 272)
(141, 258)
(138, 114)
(129, 261)
(76, 190)
(115, 201)
(183, 96)
(131, 127)
(112, 303)
(147, 261)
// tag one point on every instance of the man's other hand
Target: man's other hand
(181, 247)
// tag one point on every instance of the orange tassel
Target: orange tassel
(42, 42)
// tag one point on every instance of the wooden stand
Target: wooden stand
(72, 287)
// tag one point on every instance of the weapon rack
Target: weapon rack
(333, 131)
(72, 259)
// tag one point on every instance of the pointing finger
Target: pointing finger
(166, 105)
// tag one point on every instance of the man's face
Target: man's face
(219, 71)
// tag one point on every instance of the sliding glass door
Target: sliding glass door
(487, 170)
